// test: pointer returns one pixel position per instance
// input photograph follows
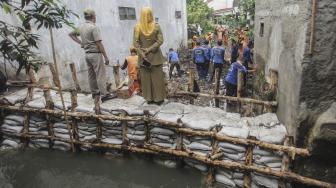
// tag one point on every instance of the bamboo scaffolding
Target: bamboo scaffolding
(156, 150)
(240, 83)
(176, 126)
(58, 84)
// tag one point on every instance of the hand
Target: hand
(145, 51)
(107, 61)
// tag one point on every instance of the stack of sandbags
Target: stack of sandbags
(112, 132)
(200, 119)
(38, 126)
(130, 106)
(12, 124)
(162, 135)
(60, 129)
(87, 130)
(267, 128)
(136, 133)
(229, 178)
(232, 126)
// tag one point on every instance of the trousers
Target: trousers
(96, 73)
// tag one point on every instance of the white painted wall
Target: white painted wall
(117, 34)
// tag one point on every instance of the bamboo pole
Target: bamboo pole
(191, 84)
(217, 82)
(248, 162)
(50, 106)
(26, 128)
(286, 160)
(74, 76)
(99, 121)
(56, 77)
(147, 127)
(74, 125)
(211, 172)
(236, 99)
(240, 84)
(176, 126)
(312, 27)
(32, 80)
(116, 73)
(54, 74)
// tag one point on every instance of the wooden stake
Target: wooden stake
(116, 72)
(191, 84)
(312, 27)
(74, 127)
(57, 79)
(286, 160)
(54, 74)
(74, 76)
(147, 127)
(50, 106)
(217, 81)
(240, 84)
(248, 162)
(99, 121)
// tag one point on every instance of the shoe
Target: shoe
(159, 103)
(108, 97)
(150, 102)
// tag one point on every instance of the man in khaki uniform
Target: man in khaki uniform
(95, 54)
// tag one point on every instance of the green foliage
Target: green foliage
(200, 13)
(17, 42)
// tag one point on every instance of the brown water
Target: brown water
(49, 169)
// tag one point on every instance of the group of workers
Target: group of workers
(204, 55)
(145, 64)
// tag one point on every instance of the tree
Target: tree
(200, 13)
(17, 43)
(246, 8)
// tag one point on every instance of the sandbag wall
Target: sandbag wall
(137, 133)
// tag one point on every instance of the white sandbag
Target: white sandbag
(224, 180)
(112, 141)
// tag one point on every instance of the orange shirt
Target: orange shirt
(132, 64)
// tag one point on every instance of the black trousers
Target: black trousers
(178, 68)
(220, 69)
(231, 89)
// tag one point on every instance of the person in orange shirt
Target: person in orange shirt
(194, 40)
(131, 63)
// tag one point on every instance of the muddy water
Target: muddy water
(44, 169)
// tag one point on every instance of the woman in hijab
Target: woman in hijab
(147, 40)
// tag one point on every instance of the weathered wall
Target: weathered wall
(117, 34)
(307, 81)
(281, 48)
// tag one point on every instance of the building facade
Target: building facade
(116, 20)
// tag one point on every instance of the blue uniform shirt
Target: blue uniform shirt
(233, 73)
(199, 55)
(207, 50)
(173, 57)
(247, 55)
(217, 54)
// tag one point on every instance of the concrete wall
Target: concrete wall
(281, 48)
(117, 34)
(307, 81)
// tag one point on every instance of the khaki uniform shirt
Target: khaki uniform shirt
(89, 34)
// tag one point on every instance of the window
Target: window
(178, 14)
(127, 13)
(262, 28)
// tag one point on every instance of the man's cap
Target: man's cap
(89, 13)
